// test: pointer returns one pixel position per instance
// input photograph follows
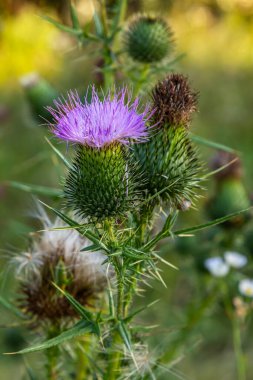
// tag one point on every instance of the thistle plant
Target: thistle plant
(131, 167)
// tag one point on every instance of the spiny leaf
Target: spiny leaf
(211, 223)
(62, 27)
(98, 24)
(34, 189)
(80, 328)
(126, 338)
(92, 248)
(76, 305)
(9, 306)
(211, 144)
(166, 232)
(74, 17)
(65, 161)
(138, 311)
(87, 233)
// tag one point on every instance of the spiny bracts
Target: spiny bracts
(148, 39)
(102, 182)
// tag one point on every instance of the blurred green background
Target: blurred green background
(217, 39)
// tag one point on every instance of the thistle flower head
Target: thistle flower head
(99, 122)
(55, 257)
(174, 101)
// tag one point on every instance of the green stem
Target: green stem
(240, 361)
(107, 53)
(236, 333)
(52, 355)
(141, 80)
(83, 361)
(114, 359)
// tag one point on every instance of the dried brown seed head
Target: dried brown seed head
(174, 101)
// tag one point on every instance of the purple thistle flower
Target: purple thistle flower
(100, 122)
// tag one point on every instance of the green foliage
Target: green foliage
(82, 327)
(148, 39)
(38, 190)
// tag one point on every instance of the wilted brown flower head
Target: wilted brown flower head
(234, 170)
(55, 257)
(174, 101)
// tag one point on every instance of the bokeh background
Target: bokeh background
(216, 37)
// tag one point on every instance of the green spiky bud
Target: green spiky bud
(169, 160)
(148, 39)
(230, 194)
(39, 94)
(100, 183)
(171, 166)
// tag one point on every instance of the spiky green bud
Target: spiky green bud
(171, 167)
(101, 183)
(148, 39)
(39, 94)
(169, 160)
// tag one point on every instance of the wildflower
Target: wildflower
(246, 287)
(55, 257)
(216, 266)
(235, 259)
(99, 122)
(102, 181)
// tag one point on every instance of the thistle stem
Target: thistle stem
(83, 362)
(240, 361)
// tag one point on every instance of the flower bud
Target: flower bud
(230, 194)
(101, 184)
(148, 39)
(39, 94)
(169, 160)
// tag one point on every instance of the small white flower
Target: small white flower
(235, 259)
(246, 287)
(216, 266)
